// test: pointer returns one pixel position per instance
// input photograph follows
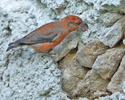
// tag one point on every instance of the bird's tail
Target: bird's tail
(12, 45)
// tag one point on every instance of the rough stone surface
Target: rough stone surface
(108, 19)
(115, 96)
(118, 78)
(124, 33)
(89, 53)
(24, 75)
(107, 63)
(72, 73)
(65, 47)
(123, 41)
(90, 85)
(54, 4)
(115, 33)
(116, 6)
(123, 86)
(40, 79)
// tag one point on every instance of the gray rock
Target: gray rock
(115, 33)
(72, 73)
(116, 6)
(89, 53)
(113, 6)
(24, 75)
(118, 78)
(54, 4)
(69, 43)
(123, 41)
(106, 64)
(108, 19)
(90, 85)
(114, 96)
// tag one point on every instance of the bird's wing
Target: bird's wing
(43, 34)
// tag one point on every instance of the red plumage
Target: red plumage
(49, 35)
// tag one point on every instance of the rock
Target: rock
(124, 33)
(115, 33)
(24, 75)
(108, 19)
(89, 86)
(116, 6)
(89, 53)
(72, 73)
(123, 41)
(54, 4)
(98, 94)
(106, 64)
(123, 87)
(83, 99)
(69, 43)
(71, 56)
(118, 78)
(114, 96)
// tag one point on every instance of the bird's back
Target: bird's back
(45, 33)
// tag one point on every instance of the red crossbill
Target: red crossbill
(49, 35)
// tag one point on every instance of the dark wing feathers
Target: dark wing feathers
(45, 33)
(35, 38)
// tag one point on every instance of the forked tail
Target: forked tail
(12, 45)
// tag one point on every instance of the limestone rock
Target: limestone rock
(54, 4)
(107, 63)
(24, 75)
(90, 85)
(114, 96)
(69, 43)
(115, 33)
(108, 19)
(72, 73)
(88, 54)
(123, 41)
(67, 59)
(113, 6)
(118, 78)
(123, 87)
(28, 76)
(116, 6)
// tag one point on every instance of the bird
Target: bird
(51, 34)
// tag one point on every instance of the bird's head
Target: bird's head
(75, 22)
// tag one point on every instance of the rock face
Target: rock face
(88, 54)
(113, 6)
(90, 85)
(107, 63)
(65, 47)
(108, 19)
(118, 78)
(95, 82)
(114, 96)
(116, 6)
(24, 75)
(72, 73)
(114, 35)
